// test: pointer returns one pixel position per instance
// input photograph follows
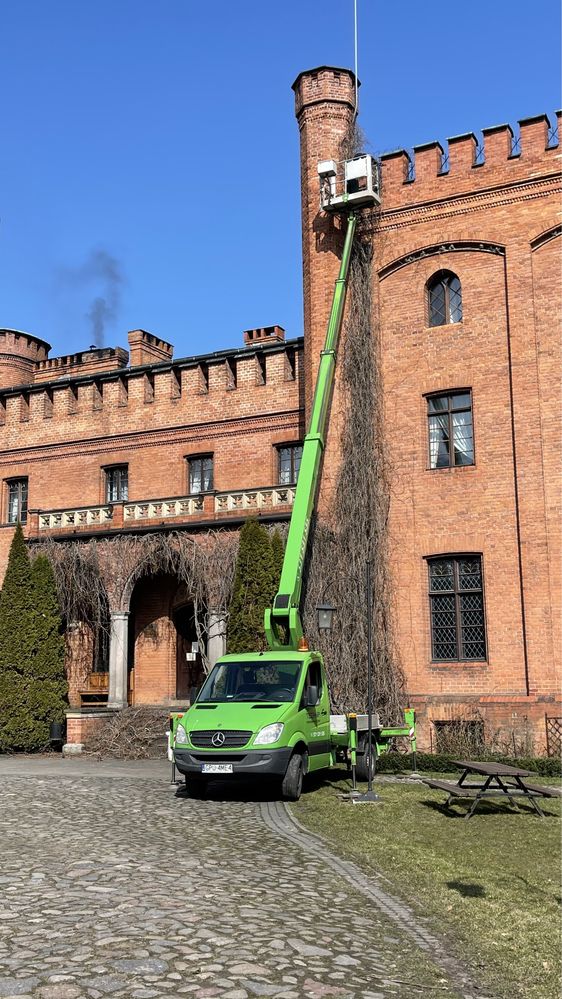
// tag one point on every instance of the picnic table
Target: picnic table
(500, 781)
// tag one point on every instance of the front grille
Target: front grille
(219, 757)
(232, 738)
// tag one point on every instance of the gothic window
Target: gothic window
(17, 501)
(451, 440)
(444, 299)
(458, 631)
(289, 457)
(116, 483)
(200, 473)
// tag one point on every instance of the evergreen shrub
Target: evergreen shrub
(255, 585)
(32, 679)
(444, 763)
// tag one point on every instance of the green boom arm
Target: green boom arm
(283, 625)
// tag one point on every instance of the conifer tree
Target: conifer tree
(254, 588)
(17, 645)
(278, 555)
(32, 679)
(49, 687)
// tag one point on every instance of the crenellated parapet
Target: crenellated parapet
(434, 170)
(20, 353)
(265, 375)
(84, 362)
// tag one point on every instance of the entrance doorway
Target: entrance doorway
(189, 662)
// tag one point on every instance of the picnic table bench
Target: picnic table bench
(500, 781)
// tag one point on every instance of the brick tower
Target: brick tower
(325, 108)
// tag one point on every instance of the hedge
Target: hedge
(546, 766)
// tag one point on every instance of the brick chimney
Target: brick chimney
(324, 106)
(264, 334)
(144, 348)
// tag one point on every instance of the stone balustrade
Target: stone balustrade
(254, 499)
(92, 516)
(161, 509)
(176, 508)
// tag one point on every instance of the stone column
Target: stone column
(216, 637)
(118, 647)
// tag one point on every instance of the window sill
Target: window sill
(449, 468)
(459, 664)
(444, 326)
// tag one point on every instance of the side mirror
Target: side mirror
(310, 697)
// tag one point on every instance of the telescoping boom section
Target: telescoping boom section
(283, 624)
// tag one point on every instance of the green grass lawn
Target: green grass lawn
(490, 885)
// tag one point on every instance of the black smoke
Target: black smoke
(100, 274)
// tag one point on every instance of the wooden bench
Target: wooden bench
(547, 792)
(501, 781)
(95, 692)
(454, 789)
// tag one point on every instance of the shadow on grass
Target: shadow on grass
(467, 889)
(486, 807)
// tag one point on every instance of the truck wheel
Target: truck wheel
(291, 785)
(363, 761)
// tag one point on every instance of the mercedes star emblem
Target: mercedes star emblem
(218, 739)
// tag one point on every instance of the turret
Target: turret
(19, 354)
(325, 110)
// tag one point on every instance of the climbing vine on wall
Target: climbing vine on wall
(358, 523)
(97, 575)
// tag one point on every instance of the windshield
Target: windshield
(245, 681)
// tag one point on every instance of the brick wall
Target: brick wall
(237, 407)
(492, 222)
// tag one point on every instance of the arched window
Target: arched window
(444, 299)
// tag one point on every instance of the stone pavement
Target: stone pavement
(113, 883)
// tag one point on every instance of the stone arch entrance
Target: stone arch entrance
(165, 652)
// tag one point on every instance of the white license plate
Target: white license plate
(216, 768)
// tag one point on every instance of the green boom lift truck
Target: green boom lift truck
(267, 714)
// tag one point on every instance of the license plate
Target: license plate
(216, 768)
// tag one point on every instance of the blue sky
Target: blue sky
(158, 139)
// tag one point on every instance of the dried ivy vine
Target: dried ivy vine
(97, 575)
(359, 520)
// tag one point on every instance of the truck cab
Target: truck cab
(264, 713)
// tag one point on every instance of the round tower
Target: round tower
(19, 353)
(325, 111)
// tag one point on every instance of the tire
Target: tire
(363, 761)
(291, 785)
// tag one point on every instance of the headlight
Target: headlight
(181, 735)
(271, 733)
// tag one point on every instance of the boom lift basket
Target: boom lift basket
(353, 183)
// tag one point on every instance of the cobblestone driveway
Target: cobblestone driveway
(113, 884)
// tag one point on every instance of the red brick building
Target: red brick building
(103, 445)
